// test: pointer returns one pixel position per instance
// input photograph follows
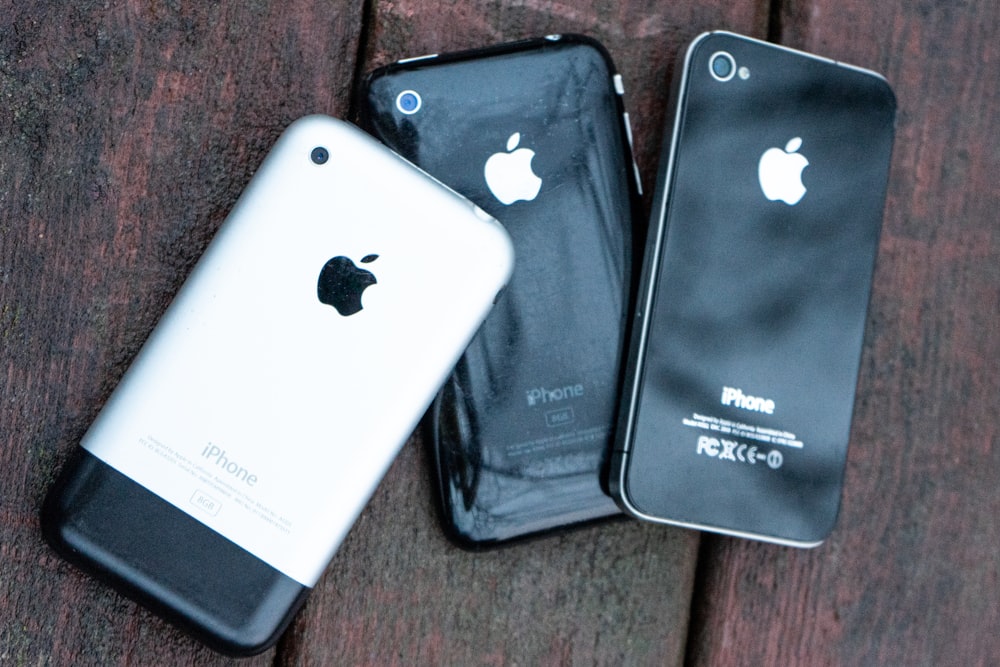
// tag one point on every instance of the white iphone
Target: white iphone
(226, 468)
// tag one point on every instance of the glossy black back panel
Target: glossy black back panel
(759, 296)
(523, 428)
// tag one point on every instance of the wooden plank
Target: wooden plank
(398, 592)
(911, 574)
(126, 134)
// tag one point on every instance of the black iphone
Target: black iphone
(755, 286)
(534, 132)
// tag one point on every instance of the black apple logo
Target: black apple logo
(341, 283)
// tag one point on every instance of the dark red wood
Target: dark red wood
(912, 573)
(126, 135)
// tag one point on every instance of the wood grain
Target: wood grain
(911, 574)
(126, 135)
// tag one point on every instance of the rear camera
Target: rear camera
(408, 102)
(722, 66)
(320, 155)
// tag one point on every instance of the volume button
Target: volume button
(628, 135)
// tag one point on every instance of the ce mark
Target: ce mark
(751, 454)
(774, 457)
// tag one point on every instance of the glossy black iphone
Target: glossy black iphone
(750, 317)
(535, 133)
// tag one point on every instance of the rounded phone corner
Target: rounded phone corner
(54, 515)
(618, 486)
(822, 533)
(53, 522)
(251, 640)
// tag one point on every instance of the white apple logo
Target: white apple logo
(780, 173)
(509, 176)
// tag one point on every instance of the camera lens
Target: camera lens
(320, 155)
(408, 102)
(722, 66)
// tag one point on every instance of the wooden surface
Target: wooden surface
(128, 131)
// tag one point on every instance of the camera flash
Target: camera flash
(744, 73)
